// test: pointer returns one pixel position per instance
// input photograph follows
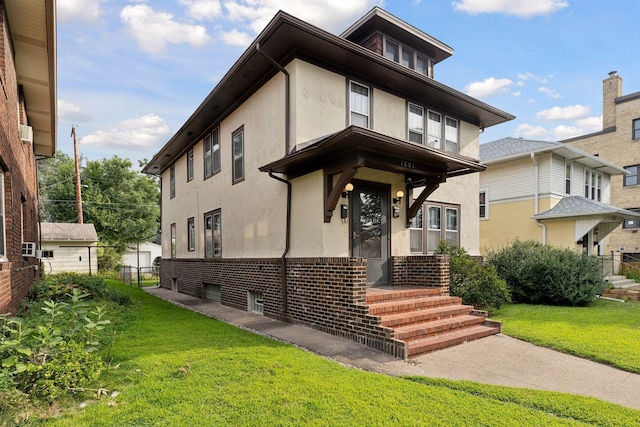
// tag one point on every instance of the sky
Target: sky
(131, 72)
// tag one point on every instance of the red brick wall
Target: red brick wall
(374, 43)
(17, 163)
(421, 270)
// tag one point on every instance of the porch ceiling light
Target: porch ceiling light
(347, 189)
(398, 199)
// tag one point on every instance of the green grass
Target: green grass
(604, 331)
(174, 367)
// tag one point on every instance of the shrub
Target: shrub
(59, 287)
(548, 275)
(477, 285)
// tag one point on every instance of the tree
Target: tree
(123, 204)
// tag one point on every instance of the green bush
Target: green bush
(540, 274)
(59, 287)
(477, 285)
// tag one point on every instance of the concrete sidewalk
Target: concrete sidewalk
(497, 359)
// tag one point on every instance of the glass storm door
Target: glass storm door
(370, 231)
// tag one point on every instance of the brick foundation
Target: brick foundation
(421, 270)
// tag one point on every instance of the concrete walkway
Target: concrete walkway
(497, 359)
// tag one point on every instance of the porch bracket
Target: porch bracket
(413, 208)
(332, 196)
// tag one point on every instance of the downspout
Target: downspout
(536, 197)
(287, 137)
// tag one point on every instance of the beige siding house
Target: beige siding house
(549, 192)
(619, 143)
(300, 182)
(69, 248)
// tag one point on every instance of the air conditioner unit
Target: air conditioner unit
(28, 249)
(26, 133)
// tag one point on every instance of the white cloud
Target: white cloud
(549, 92)
(149, 131)
(236, 38)
(564, 132)
(572, 112)
(520, 8)
(203, 10)
(82, 10)
(68, 112)
(533, 132)
(153, 30)
(333, 15)
(516, 93)
(488, 87)
(590, 124)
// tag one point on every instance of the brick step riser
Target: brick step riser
(431, 330)
(412, 319)
(417, 350)
(400, 295)
(411, 305)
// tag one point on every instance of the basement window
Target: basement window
(256, 304)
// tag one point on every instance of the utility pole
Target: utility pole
(77, 164)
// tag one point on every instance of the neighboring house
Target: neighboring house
(142, 255)
(27, 133)
(302, 177)
(619, 143)
(69, 247)
(549, 192)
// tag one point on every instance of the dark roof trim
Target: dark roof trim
(589, 135)
(627, 98)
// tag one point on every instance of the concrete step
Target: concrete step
(449, 339)
(621, 282)
(412, 304)
(396, 320)
(436, 327)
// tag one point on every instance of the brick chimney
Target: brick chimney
(611, 89)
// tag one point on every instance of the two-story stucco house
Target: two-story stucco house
(299, 183)
(619, 143)
(27, 132)
(549, 192)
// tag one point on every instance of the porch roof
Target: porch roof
(360, 147)
(579, 206)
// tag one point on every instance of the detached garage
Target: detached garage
(69, 248)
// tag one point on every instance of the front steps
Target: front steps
(621, 282)
(427, 321)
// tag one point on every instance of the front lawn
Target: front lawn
(604, 331)
(174, 367)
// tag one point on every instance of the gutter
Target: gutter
(287, 137)
(536, 197)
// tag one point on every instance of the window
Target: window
(434, 128)
(173, 240)
(256, 302)
(359, 104)
(191, 234)
(406, 56)
(3, 252)
(189, 165)
(451, 226)
(47, 254)
(636, 129)
(451, 135)
(434, 228)
(484, 207)
(632, 222)
(237, 139)
(212, 237)
(416, 123)
(592, 185)
(212, 153)
(172, 182)
(567, 178)
(632, 177)
(415, 232)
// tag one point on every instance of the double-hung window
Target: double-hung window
(212, 234)
(434, 130)
(415, 232)
(237, 141)
(189, 165)
(632, 177)
(632, 222)
(191, 234)
(442, 223)
(408, 57)
(567, 177)
(484, 207)
(173, 240)
(451, 226)
(592, 185)
(416, 123)
(636, 129)
(392, 51)
(172, 182)
(212, 153)
(451, 135)
(359, 104)
(3, 251)
(434, 229)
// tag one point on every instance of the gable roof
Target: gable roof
(573, 206)
(68, 231)
(507, 149)
(286, 38)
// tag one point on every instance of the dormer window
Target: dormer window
(407, 57)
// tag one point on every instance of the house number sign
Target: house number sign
(407, 164)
